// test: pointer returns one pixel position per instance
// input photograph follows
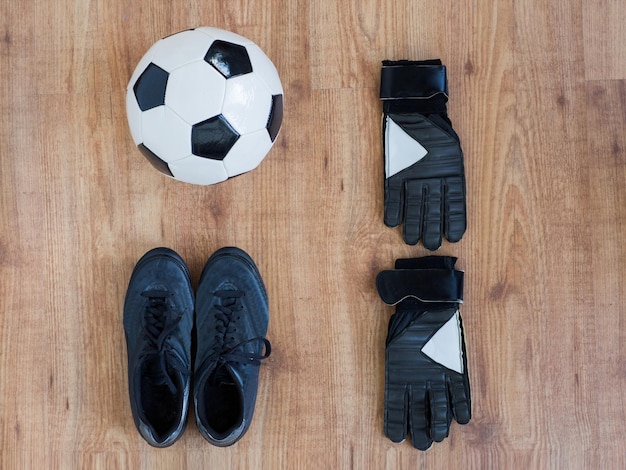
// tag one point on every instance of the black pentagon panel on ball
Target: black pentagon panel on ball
(150, 87)
(213, 138)
(156, 162)
(228, 59)
(275, 118)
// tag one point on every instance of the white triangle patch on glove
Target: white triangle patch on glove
(444, 347)
(401, 150)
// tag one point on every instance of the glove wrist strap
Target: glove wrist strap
(423, 285)
(413, 80)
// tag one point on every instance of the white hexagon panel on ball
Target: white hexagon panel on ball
(208, 92)
(248, 152)
(180, 49)
(247, 103)
(166, 134)
(198, 170)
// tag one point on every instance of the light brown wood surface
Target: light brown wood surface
(538, 97)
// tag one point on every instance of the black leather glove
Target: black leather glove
(424, 174)
(426, 379)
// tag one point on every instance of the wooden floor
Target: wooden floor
(538, 97)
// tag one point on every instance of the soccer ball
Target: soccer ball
(204, 105)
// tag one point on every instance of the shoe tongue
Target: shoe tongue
(157, 373)
(222, 375)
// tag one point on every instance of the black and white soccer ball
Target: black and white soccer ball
(204, 105)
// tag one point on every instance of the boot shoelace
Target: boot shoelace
(228, 314)
(160, 322)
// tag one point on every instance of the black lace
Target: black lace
(228, 314)
(159, 324)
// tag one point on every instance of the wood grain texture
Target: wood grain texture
(538, 96)
(604, 33)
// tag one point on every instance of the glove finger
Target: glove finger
(461, 404)
(419, 419)
(414, 211)
(439, 417)
(394, 189)
(396, 412)
(433, 216)
(455, 218)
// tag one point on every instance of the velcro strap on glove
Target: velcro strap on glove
(406, 79)
(424, 285)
